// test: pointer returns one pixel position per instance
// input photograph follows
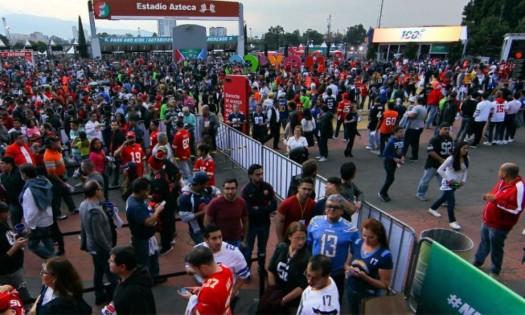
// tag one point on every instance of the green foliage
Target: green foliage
(488, 21)
(372, 51)
(355, 35)
(411, 50)
(82, 45)
(455, 52)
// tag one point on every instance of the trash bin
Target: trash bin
(456, 242)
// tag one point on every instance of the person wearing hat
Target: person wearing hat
(10, 302)
(56, 169)
(438, 150)
(20, 150)
(131, 151)
(160, 191)
(11, 180)
(195, 197)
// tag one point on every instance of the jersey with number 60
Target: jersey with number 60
(332, 240)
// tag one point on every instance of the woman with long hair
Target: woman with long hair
(61, 290)
(308, 125)
(98, 157)
(285, 288)
(369, 265)
(454, 174)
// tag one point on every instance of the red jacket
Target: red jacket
(504, 212)
(434, 97)
(15, 151)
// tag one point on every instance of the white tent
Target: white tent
(71, 51)
(27, 44)
(2, 44)
(52, 43)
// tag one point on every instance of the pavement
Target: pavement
(482, 177)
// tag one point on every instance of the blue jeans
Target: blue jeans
(432, 111)
(373, 140)
(262, 233)
(41, 234)
(492, 241)
(101, 268)
(185, 169)
(427, 177)
(143, 258)
(390, 168)
(449, 197)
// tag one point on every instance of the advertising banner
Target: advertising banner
(16, 54)
(454, 286)
(189, 54)
(434, 34)
(153, 9)
(237, 92)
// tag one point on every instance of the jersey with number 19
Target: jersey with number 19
(332, 240)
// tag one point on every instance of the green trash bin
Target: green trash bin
(456, 242)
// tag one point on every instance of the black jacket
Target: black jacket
(326, 127)
(134, 295)
(13, 184)
(9, 264)
(262, 197)
(61, 306)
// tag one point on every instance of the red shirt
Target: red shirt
(206, 165)
(293, 211)
(181, 144)
(153, 138)
(434, 97)
(343, 108)
(228, 215)
(214, 298)
(134, 154)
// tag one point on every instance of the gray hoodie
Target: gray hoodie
(95, 231)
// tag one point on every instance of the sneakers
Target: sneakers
(345, 140)
(510, 140)
(383, 197)
(165, 252)
(318, 157)
(434, 213)
(61, 217)
(322, 159)
(473, 146)
(504, 142)
(74, 211)
(422, 198)
(455, 225)
(494, 276)
(369, 147)
(487, 143)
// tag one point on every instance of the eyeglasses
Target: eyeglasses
(43, 272)
(329, 207)
(311, 278)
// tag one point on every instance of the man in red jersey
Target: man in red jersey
(181, 149)
(214, 295)
(502, 211)
(130, 151)
(20, 150)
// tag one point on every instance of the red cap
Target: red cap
(5, 300)
(131, 134)
(155, 162)
(158, 97)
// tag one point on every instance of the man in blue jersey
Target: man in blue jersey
(331, 235)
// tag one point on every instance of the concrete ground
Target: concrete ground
(370, 176)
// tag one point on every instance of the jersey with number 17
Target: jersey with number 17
(332, 240)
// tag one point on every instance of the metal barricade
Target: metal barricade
(401, 239)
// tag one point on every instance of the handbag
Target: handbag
(391, 303)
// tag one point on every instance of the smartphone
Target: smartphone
(163, 203)
(183, 290)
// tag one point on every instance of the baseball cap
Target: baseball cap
(131, 134)
(181, 114)
(199, 178)
(163, 149)
(444, 125)
(157, 161)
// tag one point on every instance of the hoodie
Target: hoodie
(41, 189)
(134, 295)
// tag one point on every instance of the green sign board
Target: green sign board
(113, 40)
(454, 286)
(439, 49)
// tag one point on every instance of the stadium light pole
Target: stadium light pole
(380, 14)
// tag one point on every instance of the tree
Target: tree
(314, 36)
(411, 50)
(355, 35)
(488, 21)
(5, 40)
(274, 37)
(293, 39)
(82, 45)
(372, 51)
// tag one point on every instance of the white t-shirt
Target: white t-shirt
(231, 257)
(482, 111)
(315, 302)
(296, 143)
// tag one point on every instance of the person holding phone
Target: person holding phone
(12, 255)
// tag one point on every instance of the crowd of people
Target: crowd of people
(132, 124)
